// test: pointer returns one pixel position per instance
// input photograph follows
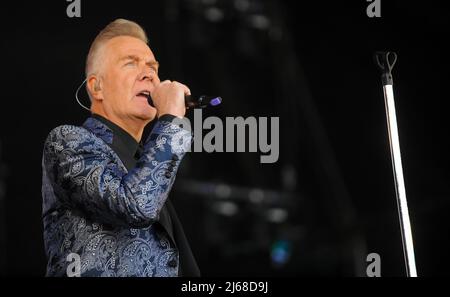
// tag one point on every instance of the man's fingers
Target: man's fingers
(186, 90)
(165, 82)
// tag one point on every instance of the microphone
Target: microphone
(196, 102)
(202, 101)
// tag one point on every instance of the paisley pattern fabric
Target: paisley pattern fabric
(94, 207)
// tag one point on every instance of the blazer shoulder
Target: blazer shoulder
(66, 133)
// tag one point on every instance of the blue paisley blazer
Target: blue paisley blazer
(95, 208)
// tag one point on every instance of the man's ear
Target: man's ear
(94, 87)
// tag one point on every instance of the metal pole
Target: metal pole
(386, 61)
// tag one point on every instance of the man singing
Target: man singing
(105, 192)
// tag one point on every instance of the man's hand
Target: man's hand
(168, 98)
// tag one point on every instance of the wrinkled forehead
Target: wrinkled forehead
(122, 46)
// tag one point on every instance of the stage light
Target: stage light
(280, 252)
(386, 61)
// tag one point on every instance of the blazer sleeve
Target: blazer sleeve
(86, 176)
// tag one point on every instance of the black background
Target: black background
(318, 76)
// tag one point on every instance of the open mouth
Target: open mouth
(144, 94)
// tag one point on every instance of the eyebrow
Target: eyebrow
(151, 63)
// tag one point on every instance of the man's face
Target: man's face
(129, 69)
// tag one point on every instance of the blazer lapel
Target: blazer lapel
(99, 129)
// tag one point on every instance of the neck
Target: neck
(134, 127)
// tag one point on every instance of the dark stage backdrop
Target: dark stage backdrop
(328, 201)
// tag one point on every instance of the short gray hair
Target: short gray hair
(119, 27)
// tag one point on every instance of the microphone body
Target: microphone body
(196, 102)
(201, 102)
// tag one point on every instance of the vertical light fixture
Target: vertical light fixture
(386, 61)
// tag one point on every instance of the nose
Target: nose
(147, 74)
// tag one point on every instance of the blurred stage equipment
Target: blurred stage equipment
(264, 216)
(234, 37)
(386, 61)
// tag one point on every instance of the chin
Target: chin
(146, 115)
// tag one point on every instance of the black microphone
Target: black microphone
(196, 102)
